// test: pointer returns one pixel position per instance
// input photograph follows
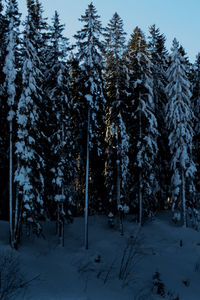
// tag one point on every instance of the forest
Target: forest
(108, 125)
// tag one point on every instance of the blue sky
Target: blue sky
(175, 18)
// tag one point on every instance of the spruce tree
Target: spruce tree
(3, 34)
(179, 117)
(196, 109)
(159, 60)
(89, 53)
(116, 167)
(143, 124)
(28, 175)
(79, 111)
(4, 128)
(41, 44)
(62, 158)
(10, 70)
(43, 35)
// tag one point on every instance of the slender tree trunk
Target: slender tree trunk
(16, 223)
(11, 184)
(19, 228)
(57, 222)
(119, 198)
(18, 233)
(183, 198)
(118, 182)
(62, 226)
(140, 173)
(58, 219)
(87, 181)
(16, 219)
(60, 204)
(140, 198)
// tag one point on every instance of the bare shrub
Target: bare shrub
(12, 282)
(130, 257)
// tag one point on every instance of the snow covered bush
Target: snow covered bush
(111, 219)
(176, 217)
(193, 218)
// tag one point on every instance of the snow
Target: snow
(73, 273)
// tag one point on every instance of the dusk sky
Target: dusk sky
(175, 18)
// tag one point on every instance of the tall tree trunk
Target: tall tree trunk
(87, 181)
(18, 219)
(140, 173)
(11, 184)
(119, 198)
(63, 192)
(59, 221)
(118, 182)
(16, 223)
(183, 198)
(62, 220)
(140, 198)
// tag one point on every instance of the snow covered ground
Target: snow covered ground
(115, 267)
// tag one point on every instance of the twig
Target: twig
(109, 270)
(27, 282)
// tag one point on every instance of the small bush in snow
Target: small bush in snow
(186, 282)
(129, 258)
(158, 285)
(195, 219)
(176, 217)
(171, 296)
(111, 219)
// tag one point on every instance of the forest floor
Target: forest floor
(114, 267)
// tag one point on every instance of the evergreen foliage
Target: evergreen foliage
(61, 139)
(117, 139)
(28, 175)
(90, 56)
(4, 136)
(143, 123)
(179, 118)
(159, 57)
(117, 119)
(196, 109)
(10, 70)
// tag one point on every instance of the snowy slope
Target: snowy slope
(71, 273)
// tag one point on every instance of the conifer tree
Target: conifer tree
(4, 136)
(159, 58)
(117, 139)
(3, 34)
(179, 118)
(43, 34)
(10, 70)
(79, 111)
(61, 139)
(143, 123)
(196, 109)
(90, 47)
(41, 44)
(28, 175)
(188, 65)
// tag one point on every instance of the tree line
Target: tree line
(106, 120)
